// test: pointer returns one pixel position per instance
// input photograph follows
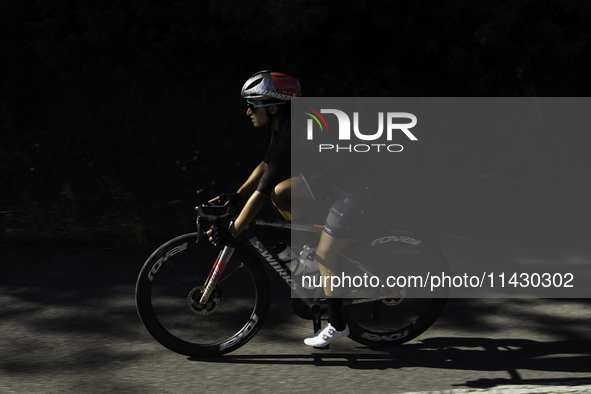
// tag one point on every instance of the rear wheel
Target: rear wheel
(170, 286)
(410, 309)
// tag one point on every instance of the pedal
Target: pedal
(321, 347)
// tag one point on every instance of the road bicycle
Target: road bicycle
(202, 301)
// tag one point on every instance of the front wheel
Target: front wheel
(409, 311)
(169, 288)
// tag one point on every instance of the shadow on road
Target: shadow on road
(78, 314)
(475, 354)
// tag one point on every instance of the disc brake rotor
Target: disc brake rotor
(203, 309)
(396, 300)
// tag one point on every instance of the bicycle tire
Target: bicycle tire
(170, 284)
(394, 321)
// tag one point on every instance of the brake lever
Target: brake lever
(205, 220)
(202, 194)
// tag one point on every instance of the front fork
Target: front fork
(224, 257)
(216, 272)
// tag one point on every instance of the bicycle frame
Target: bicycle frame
(226, 254)
(209, 301)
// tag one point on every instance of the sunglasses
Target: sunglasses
(254, 106)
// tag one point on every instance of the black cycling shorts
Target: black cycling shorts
(347, 213)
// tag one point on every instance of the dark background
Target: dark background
(114, 112)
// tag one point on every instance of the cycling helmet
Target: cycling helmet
(266, 85)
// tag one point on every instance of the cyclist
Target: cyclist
(268, 96)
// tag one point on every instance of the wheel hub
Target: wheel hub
(203, 309)
(396, 300)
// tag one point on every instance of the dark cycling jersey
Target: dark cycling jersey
(351, 174)
(277, 158)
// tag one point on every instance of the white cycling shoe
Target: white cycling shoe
(325, 336)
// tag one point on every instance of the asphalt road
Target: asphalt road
(68, 324)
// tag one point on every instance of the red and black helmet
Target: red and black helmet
(266, 85)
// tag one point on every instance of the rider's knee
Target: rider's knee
(280, 194)
(274, 197)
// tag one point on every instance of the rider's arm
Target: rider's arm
(253, 180)
(248, 213)
(248, 186)
(252, 183)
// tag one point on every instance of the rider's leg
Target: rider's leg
(337, 233)
(328, 249)
(326, 256)
(287, 195)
